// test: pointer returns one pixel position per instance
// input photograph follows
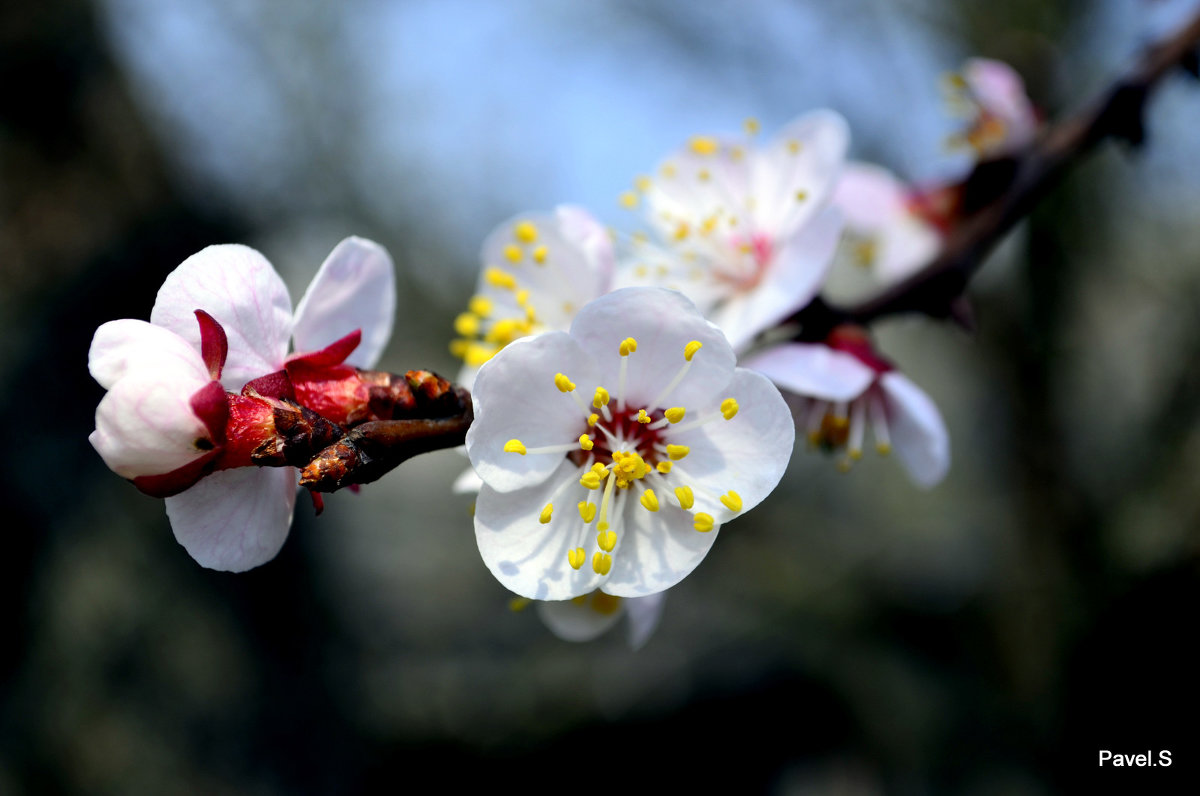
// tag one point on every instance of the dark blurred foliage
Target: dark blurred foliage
(989, 637)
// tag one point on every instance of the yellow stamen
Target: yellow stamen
(751, 126)
(606, 604)
(497, 278)
(587, 511)
(801, 196)
(649, 500)
(593, 419)
(667, 170)
(732, 500)
(691, 348)
(627, 347)
(544, 517)
(606, 541)
(576, 557)
(601, 563)
(525, 231)
(677, 452)
(664, 467)
(601, 398)
(590, 480)
(514, 446)
(480, 305)
(703, 523)
(628, 467)
(729, 408)
(675, 414)
(467, 324)
(586, 442)
(704, 175)
(539, 255)
(793, 146)
(642, 183)
(513, 253)
(681, 231)
(642, 417)
(685, 496)
(883, 448)
(629, 200)
(563, 383)
(704, 145)
(478, 353)
(517, 604)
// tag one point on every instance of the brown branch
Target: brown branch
(999, 193)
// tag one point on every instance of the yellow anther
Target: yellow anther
(737, 153)
(751, 126)
(518, 604)
(600, 398)
(664, 467)
(729, 408)
(801, 196)
(641, 271)
(467, 324)
(494, 276)
(606, 540)
(539, 255)
(525, 231)
(628, 467)
(642, 183)
(883, 448)
(682, 231)
(649, 500)
(563, 383)
(793, 146)
(522, 297)
(629, 200)
(677, 452)
(704, 145)
(480, 305)
(600, 469)
(606, 604)
(685, 496)
(585, 442)
(703, 522)
(691, 348)
(854, 453)
(477, 353)
(513, 253)
(576, 557)
(458, 348)
(593, 419)
(601, 563)
(708, 225)
(667, 170)
(704, 175)
(544, 517)
(642, 417)
(590, 480)
(627, 347)
(505, 330)
(675, 414)
(587, 511)
(732, 500)
(514, 446)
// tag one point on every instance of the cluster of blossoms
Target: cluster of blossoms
(613, 430)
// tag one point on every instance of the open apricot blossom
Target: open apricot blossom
(844, 388)
(991, 95)
(588, 616)
(172, 421)
(747, 232)
(611, 454)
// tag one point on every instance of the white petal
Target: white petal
(355, 288)
(747, 454)
(644, 615)
(239, 288)
(869, 196)
(235, 520)
(663, 322)
(579, 619)
(690, 187)
(124, 345)
(467, 483)
(792, 277)
(655, 550)
(822, 138)
(526, 556)
(580, 228)
(905, 245)
(814, 370)
(515, 397)
(919, 435)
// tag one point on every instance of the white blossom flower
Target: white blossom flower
(610, 455)
(847, 389)
(232, 519)
(992, 96)
(585, 617)
(748, 232)
(888, 227)
(539, 269)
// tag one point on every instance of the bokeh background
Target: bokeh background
(851, 635)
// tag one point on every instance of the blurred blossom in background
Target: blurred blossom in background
(851, 635)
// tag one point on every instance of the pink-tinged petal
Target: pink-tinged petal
(663, 322)
(918, 433)
(176, 481)
(333, 354)
(145, 425)
(654, 550)
(214, 344)
(516, 398)
(355, 288)
(581, 229)
(124, 345)
(792, 277)
(999, 90)
(583, 618)
(235, 520)
(644, 615)
(528, 557)
(692, 185)
(239, 288)
(813, 370)
(805, 158)
(746, 454)
(869, 197)
(905, 245)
